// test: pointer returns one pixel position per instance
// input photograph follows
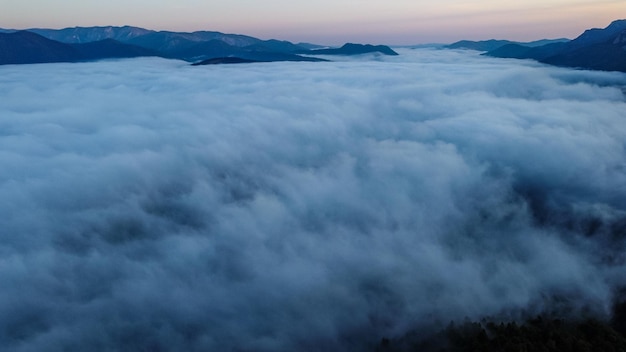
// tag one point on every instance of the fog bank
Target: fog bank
(151, 205)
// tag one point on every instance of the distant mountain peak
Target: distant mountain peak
(597, 35)
(91, 34)
(617, 24)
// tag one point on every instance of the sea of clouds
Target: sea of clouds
(147, 205)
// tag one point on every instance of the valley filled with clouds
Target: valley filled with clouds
(151, 205)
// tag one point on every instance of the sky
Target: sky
(152, 205)
(330, 21)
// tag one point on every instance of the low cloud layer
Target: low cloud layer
(150, 205)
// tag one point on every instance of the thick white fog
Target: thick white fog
(149, 205)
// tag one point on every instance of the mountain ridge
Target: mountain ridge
(493, 44)
(77, 35)
(354, 49)
(93, 43)
(23, 47)
(596, 49)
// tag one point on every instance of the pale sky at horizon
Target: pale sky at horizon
(329, 21)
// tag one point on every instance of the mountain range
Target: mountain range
(595, 49)
(492, 44)
(93, 43)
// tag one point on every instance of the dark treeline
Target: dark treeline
(543, 333)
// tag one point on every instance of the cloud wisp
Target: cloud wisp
(151, 205)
